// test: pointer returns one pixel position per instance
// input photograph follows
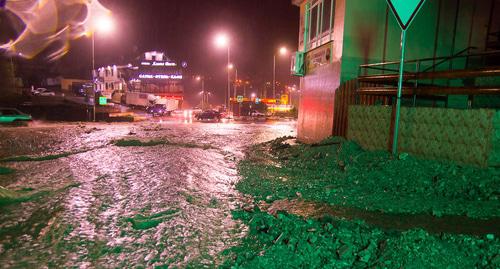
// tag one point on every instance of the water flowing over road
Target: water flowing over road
(90, 203)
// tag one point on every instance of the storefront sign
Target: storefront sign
(318, 57)
(160, 76)
(158, 63)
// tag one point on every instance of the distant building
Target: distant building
(158, 75)
(111, 80)
(337, 37)
(69, 86)
(154, 73)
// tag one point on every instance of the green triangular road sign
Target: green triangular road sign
(405, 10)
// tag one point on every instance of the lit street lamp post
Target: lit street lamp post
(222, 40)
(282, 51)
(231, 67)
(203, 101)
(105, 25)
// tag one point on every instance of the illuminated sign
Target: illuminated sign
(284, 99)
(159, 76)
(159, 64)
(103, 100)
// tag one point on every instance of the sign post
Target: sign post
(404, 11)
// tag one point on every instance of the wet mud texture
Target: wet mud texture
(340, 173)
(289, 241)
(334, 205)
(122, 195)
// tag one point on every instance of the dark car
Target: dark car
(11, 115)
(209, 115)
(157, 110)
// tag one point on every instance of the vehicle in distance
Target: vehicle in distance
(43, 92)
(209, 115)
(257, 114)
(158, 110)
(9, 115)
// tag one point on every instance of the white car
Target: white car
(43, 92)
(257, 114)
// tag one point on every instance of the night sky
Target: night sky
(184, 29)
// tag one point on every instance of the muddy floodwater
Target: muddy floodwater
(96, 204)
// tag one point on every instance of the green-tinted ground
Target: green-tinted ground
(6, 171)
(341, 173)
(288, 241)
(151, 143)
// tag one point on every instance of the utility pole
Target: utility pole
(203, 105)
(228, 80)
(274, 77)
(92, 73)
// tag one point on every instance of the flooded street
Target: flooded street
(96, 204)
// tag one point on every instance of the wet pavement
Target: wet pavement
(107, 206)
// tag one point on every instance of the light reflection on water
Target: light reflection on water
(92, 225)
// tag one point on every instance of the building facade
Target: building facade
(111, 80)
(336, 37)
(158, 75)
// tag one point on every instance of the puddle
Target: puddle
(432, 224)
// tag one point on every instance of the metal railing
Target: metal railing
(428, 70)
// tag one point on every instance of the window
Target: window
(321, 16)
(314, 23)
(327, 15)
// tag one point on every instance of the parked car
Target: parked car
(196, 111)
(209, 115)
(9, 115)
(257, 114)
(157, 110)
(43, 92)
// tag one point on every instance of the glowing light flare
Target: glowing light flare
(221, 40)
(51, 22)
(283, 51)
(230, 66)
(104, 24)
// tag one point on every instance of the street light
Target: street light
(282, 51)
(202, 79)
(222, 40)
(102, 24)
(231, 67)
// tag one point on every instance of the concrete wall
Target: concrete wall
(317, 97)
(462, 136)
